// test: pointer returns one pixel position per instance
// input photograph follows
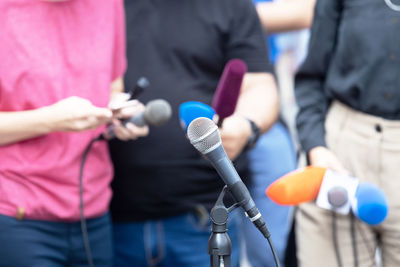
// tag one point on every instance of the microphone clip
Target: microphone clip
(219, 245)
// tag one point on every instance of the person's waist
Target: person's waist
(363, 122)
(67, 216)
(41, 198)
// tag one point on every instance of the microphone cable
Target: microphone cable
(335, 240)
(134, 93)
(276, 259)
(365, 241)
(85, 236)
(353, 239)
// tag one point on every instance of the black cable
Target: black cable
(365, 241)
(276, 259)
(353, 239)
(335, 241)
(81, 204)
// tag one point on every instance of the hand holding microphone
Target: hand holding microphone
(155, 113)
(121, 128)
(235, 133)
(235, 129)
(332, 191)
(322, 156)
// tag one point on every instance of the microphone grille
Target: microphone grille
(337, 196)
(204, 135)
(157, 112)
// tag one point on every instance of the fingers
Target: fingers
(234, 133)
(103, 115)
(118, 100)
(129, 110)
(323, 157)
(129, 131)
(92, 118)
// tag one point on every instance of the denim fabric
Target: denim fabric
(33, 243)
(179, 241)
(272, 157)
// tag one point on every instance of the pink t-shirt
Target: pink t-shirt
(50, 51)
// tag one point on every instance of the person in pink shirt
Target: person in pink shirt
(60, 61)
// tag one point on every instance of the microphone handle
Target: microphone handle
(219, 122)
(137, 120)
(238, 189)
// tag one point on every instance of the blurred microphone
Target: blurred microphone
(296, 187)
(188, 111)
(228, 89)
(204, 136)
(156, 113)
(370, 204)
(332, 191)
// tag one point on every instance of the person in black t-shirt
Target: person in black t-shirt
(163, 187)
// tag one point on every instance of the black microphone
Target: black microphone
(204, 136)
(156, 113)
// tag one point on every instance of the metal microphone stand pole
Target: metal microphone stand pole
(219, 244)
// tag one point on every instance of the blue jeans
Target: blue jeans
(33, 243)
(179, 241)
(272, 157)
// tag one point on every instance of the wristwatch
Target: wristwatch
(253, 138)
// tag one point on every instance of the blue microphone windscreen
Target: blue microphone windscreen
(188, 111)
(372, 206)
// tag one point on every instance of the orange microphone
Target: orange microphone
(296, 187)
(339, 192)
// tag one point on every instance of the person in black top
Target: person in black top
(163, 188)
(348, 93)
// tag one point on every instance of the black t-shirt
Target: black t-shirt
(181, 46)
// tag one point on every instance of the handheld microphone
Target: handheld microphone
(204, 136)
(156, 113)
(370, 204)
(228, 89)
(296, 187)
(188, 111)
(331, 191)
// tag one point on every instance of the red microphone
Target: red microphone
(228, 89)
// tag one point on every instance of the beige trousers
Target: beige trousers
(369, 147)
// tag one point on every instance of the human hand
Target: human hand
(127, 131)
(323, 157)
(76, 114)
(235, 132)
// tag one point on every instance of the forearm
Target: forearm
(70, 114)
(258, 100)
(311, 95)
(22, 125)
(117, 86)
(281, 16)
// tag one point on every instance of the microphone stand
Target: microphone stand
(219, 244)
